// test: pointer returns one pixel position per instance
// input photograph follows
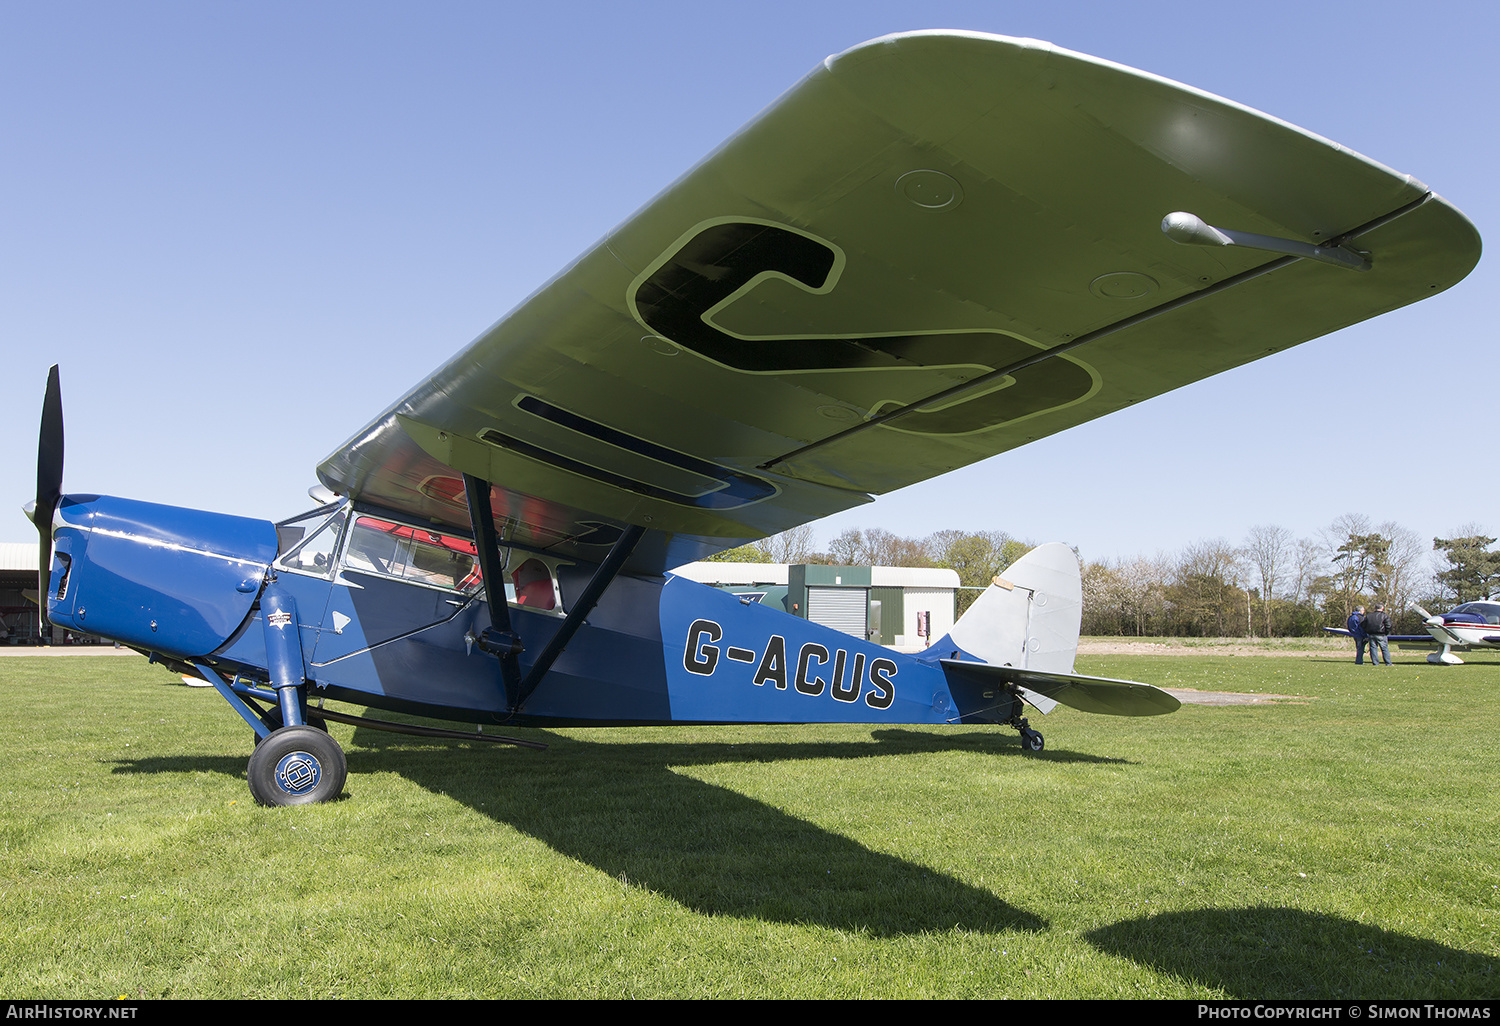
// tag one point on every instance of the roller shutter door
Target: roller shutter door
(843, 609)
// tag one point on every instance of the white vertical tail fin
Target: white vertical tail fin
(1025, 628)
(1030, 617)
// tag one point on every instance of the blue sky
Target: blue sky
(243, 229)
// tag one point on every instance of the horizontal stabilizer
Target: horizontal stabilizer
(1087, 694)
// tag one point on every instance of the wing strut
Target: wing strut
(499, 638)
(580, 609)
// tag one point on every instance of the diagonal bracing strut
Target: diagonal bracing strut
(500, 638)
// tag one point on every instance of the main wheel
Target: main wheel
(297, 766)
(1031, 741)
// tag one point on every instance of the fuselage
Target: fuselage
(1470, 625)
(387, 614)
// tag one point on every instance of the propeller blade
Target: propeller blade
(49, 470)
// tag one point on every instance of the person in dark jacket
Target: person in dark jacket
(1378, 630)
(1356, 627)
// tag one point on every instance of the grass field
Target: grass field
(1344, 845)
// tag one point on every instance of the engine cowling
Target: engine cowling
(164, 578)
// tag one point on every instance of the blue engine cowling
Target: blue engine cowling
(172, 580)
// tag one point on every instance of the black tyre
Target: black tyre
(313, 720)
(297, 766)
(1032, 741)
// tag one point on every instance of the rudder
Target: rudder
(1029, 618)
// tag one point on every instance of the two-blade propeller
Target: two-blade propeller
(49, 470)
(1428, 618)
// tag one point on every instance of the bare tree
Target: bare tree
(1269, 549)
(1406, 569)
(876, 546)
(847, 548)
(1355, 553)
(1206, 589)
(792, 546)
(884, 548)
(1307, 565)
(880, 547)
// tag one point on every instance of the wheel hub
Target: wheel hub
(298, 773)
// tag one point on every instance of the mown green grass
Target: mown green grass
(1341, 846)
(1320, 643)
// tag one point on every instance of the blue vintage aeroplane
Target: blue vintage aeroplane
(937, 247)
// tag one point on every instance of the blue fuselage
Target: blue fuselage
(191, 588)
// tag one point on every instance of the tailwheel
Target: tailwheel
(297, 766)
(1031, 740)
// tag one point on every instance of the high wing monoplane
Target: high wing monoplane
(935, 248)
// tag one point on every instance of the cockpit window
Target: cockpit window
(316, 554)
(1489, 612)
(412, 554)
(290, 532)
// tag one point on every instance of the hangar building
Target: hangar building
(902, 607)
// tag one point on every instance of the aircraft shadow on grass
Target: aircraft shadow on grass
(709, 848)
(1268, 952)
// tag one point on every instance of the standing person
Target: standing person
(1356, 627)
(1378, 629)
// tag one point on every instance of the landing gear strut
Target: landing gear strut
(1031, 740)
(292, 765)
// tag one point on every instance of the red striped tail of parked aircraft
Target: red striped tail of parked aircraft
(937, 247)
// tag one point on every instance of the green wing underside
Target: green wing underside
(936, 248)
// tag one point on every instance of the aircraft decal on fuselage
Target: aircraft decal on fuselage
(701, 656)
(748, 662)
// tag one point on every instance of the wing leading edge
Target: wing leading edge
(937, 247)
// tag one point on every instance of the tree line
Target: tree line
(1272, 584)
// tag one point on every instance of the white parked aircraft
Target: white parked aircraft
(1470, 625)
